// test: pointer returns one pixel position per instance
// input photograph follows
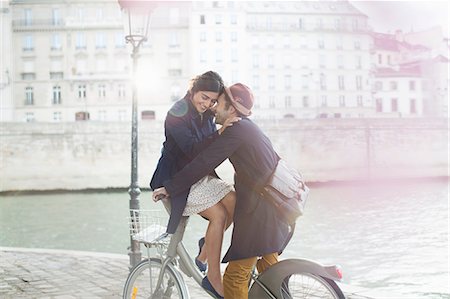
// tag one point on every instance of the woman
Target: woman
(189, 128)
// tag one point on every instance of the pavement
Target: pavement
(63, 274)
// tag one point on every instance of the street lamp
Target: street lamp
(136, 23)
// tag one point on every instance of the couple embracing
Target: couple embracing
(193, 148)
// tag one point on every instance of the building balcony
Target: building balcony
(28, 76)
(24, 24)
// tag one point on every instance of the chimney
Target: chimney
(399, 35)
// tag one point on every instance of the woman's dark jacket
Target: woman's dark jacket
(258, 230)
(187, 133)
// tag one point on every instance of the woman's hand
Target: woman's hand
(159, 194)
(228, 123)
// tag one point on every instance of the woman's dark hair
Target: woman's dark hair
(209, 81)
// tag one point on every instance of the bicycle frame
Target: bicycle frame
(265, 285)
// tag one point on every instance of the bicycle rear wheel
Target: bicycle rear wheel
(141, 282)
(310, 286)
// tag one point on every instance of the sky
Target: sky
(388, 16)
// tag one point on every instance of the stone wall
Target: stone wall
(81, 155)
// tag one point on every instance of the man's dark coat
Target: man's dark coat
(257, 228)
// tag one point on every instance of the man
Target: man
(258, 230)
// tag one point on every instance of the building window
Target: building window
(80, 14)
(100, 42)
(271, 82)
(28, 17)
(323, 82)
(287, 81)
(300, 24)
(148, 115)
(80, 42)
(359, 101)
(120, 40)
(218, 36)
(379, 105)
(305, 102)
(378, 85)
(102, 115)
(81, 91)
(233, 19)
(412, 85)
(174, 40)
(341, 82)
(324, 101)
(322, 61)
(389, 59)
(270, 61)
(340, 61)
(121, 90)
(56, 42)
(271, 102)
(342, 100)
(28, 44)
(174, 16)
(393, 85)
(29, 96)
(394, 105)
(358, 82)
(202, 55)
(357, 45)
(339, 43)
(412, 106)
(202, 19)
(319, 23)
(122, 114)
(29, 117)
(56, 19)
(57, 116)
(234, 36)
(355, 24)
(218, 19)
(203, 36)
(234, 55)
(56, 95)
(82, 115)
(287, 102)
(358, 62)
(255, 81)
(380, 59)
(102, 91)
(321, 43)
(219, 56)
(99, 14)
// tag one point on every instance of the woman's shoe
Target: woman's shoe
(208, 286)
(201, 266)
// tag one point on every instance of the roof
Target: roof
(402, 71)
(388, 42)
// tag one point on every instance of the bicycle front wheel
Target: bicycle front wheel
(143, 279)
(310, 286)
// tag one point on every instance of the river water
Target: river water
(392, 238)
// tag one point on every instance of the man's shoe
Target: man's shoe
(201, 266)
(208, 286)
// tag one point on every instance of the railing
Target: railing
(38, 23)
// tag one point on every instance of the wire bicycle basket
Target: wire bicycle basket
(148, 227)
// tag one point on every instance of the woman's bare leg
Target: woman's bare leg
(217, 216)
(229, 201)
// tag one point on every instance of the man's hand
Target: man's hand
(159, 194)
(228, 123)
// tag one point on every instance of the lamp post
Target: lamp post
(136, 23)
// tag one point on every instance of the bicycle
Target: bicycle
(160, 277)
